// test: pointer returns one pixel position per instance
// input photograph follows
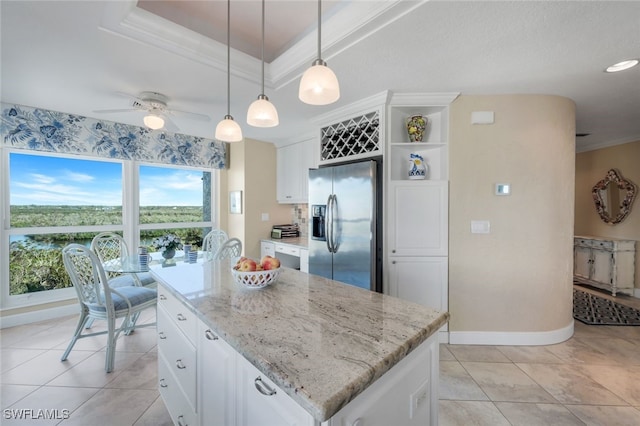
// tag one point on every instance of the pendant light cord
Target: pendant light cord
(228, 57)
(262, 47)
(319, 36)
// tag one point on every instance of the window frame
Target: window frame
(130, 227)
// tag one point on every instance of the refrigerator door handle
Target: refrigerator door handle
(334, 205)
(327, 224)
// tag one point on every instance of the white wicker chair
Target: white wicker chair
(99, 301)
(212, 242)
(230, 249)
(108, 246)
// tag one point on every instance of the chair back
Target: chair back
(212, 242)
(87, 275)
(108, 246)
(230, 249)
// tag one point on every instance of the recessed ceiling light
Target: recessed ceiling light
(621, 66)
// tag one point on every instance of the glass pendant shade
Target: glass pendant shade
(153, 121)
(262, 113)
(319, 85)
(228, 130)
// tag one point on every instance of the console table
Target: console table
(606, 263)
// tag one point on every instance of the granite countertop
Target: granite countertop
(323, 342)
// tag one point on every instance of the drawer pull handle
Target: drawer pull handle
(180, 364)
(393, 251)
(393, 262)
(181, 317)
(262, 387)
(209, 335)
(180, 423)
(163, 384)
(163, 297)
(161, 335)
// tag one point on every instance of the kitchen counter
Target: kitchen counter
(301, 242)
(321, 341)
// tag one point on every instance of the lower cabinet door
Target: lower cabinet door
(422, 280)
(582, 262)
(216, 364)
(602, 267)
(178, 406)
(261, 402)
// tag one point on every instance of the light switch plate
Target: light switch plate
(480, 226)
(482, 117)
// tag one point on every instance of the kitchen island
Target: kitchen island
(307, 350)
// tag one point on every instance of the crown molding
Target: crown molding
(355, 21)
(585, 147)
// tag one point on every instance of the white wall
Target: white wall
(513, 285)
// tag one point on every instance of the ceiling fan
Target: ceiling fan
(157, 111)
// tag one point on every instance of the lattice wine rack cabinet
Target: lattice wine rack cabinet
(357, 136)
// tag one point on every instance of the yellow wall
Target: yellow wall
(253, 171)
(592, 166)
(517, 278)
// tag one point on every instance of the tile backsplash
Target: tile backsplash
(300, 216)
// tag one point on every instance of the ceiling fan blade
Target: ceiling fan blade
(109, 111)
(170, 125)
(192, 115)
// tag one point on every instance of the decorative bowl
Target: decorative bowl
(255, 279)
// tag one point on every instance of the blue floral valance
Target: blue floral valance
(51, 131)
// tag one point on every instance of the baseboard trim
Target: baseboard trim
(504, 338)
(36, 316)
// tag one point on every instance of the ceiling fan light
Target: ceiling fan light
(228, 130)
(153, 121)
(262, 113)
(621, 66)
(319, 85)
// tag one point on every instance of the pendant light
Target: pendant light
(262, 113)
(228, 130)
(319, 85)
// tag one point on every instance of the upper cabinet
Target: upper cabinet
(294, 162)
(434, 144)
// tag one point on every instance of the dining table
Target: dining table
(134, 264)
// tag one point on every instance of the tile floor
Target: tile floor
(591, 379)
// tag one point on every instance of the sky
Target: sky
(43, 180)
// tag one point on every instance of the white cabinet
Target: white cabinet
(418, 217)
(606, 263)
(293, 164)
(420, 279)
(267, 249)
(261, 402)
(177, 368)
(217, 388)
(417, 224)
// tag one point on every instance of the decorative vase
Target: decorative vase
(417, 167)
(169, 253)
(416, 125)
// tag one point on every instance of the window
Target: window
(174, 200)
(55, 200)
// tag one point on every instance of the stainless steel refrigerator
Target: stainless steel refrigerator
(345, 223)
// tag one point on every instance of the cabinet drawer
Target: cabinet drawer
(179, 354)
(179, 313)
(182, 413)
(290, 250)
(261, 402)
(603, 245)
(582, 242)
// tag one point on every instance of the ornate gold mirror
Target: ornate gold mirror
(614, 196)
